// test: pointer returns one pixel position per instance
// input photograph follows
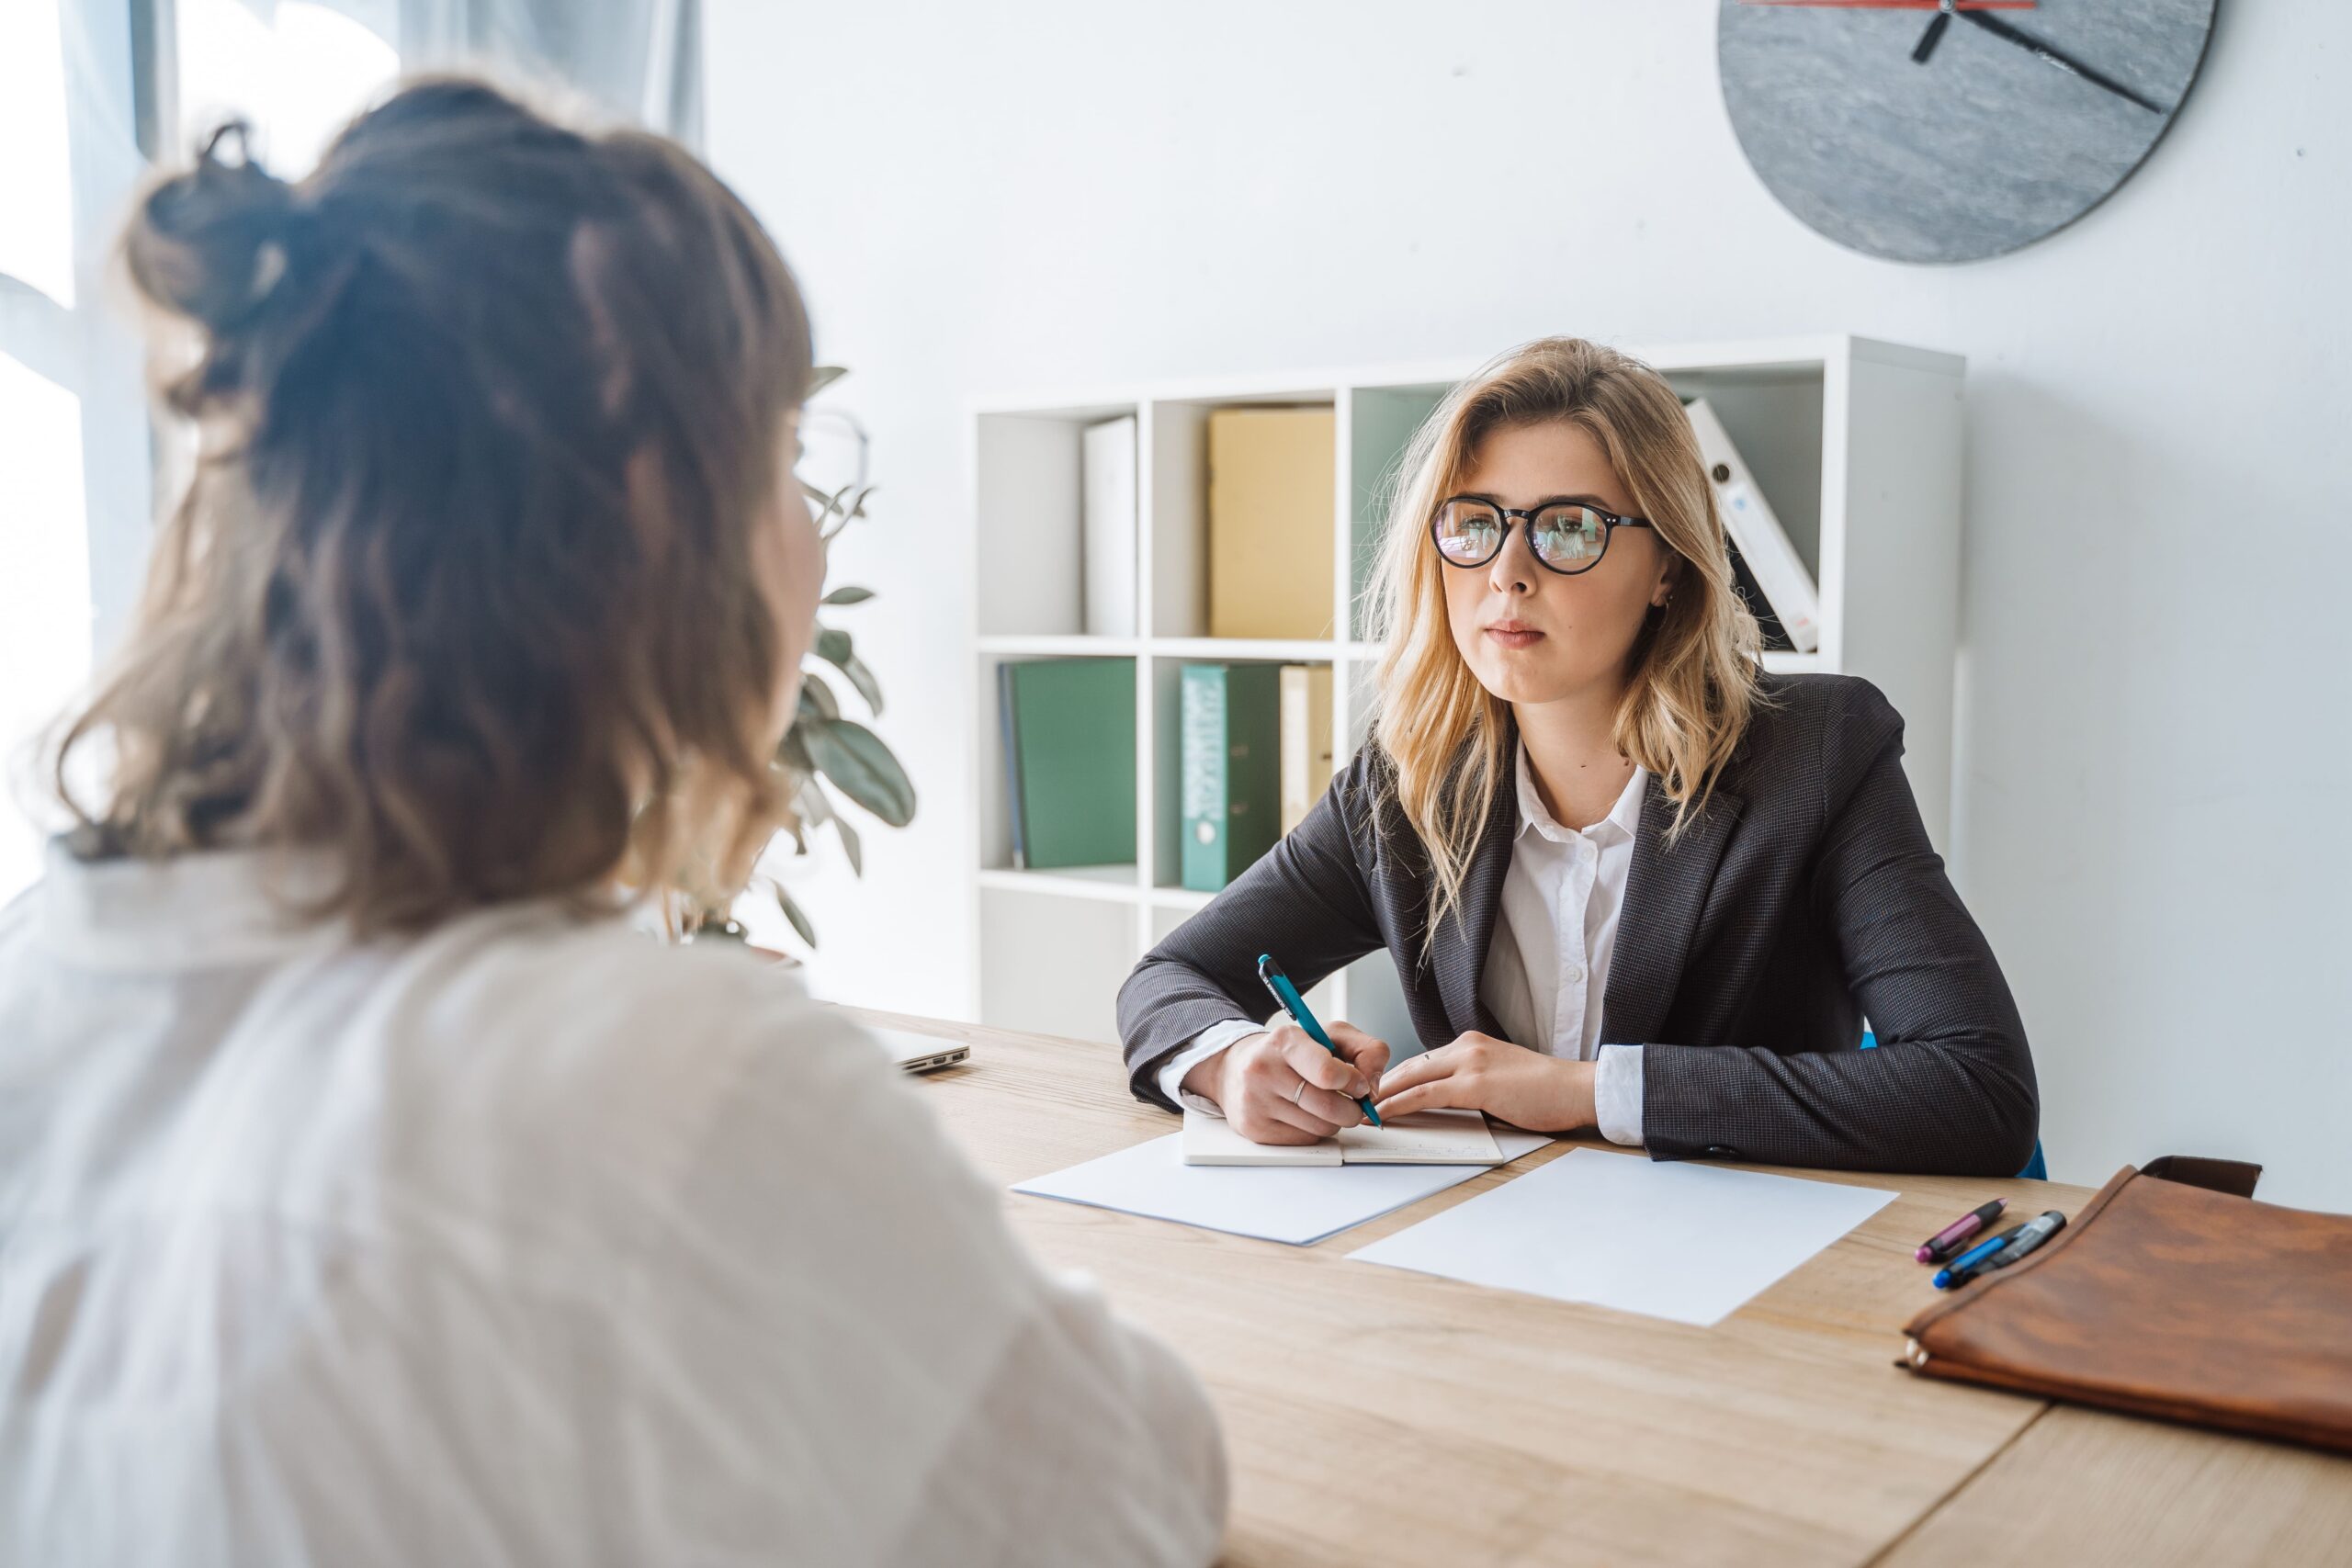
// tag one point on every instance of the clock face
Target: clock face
(1984, 146)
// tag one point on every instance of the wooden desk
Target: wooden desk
(1376, 1415)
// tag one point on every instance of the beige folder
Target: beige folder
(1306, 740)
(1271, 515)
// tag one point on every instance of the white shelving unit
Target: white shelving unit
(1856, 444)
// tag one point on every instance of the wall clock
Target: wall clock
(1948, 131)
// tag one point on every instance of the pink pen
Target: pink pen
(1942, 1245)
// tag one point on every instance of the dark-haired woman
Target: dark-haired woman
(368, 1192)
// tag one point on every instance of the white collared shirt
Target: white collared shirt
(1555, 932)
(524, 1239)
(1547, 964)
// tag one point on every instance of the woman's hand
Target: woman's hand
(1478, 1072)
(1279, 1087)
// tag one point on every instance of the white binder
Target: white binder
(1748, 518)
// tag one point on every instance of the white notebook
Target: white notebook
(1426, 1137)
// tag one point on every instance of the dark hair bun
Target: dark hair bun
(210, 243)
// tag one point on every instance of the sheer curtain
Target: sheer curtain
(92, 93)
(636, 59)
(74, 486)
(315, 61)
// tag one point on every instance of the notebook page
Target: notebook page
(1425, 1137)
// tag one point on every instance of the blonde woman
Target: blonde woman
(370, 1193)
(1629, 880)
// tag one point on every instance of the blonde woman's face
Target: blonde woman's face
(1533, 635)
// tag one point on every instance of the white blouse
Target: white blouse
(1547, 963)
(1555, 932)
(524, 1240)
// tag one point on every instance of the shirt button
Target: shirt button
(1574, 974)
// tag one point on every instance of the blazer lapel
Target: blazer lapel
(1461, 949)
(1664, 895)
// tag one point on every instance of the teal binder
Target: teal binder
(1070, 759)
(1229, 726)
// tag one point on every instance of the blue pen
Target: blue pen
(1295, 1005)
(1962, 1270)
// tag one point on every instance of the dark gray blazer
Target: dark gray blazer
(1803, 899)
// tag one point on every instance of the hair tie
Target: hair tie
(283, 221)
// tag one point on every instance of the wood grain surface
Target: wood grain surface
(1374, 1415)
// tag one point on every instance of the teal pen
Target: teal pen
(1295, 1005)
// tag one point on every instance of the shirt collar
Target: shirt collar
(1624, 818)
(192, 912)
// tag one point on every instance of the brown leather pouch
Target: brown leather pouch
(2172, 1294)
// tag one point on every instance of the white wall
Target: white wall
(2151, 817)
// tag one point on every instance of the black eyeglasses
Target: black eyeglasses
(1568, 537)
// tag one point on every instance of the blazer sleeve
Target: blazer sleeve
(1950, 1087)
(1308, 901)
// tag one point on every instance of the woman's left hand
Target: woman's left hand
(1478, 1072)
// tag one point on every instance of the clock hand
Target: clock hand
(2024, 39)
(1942, 19)
(1935, 26)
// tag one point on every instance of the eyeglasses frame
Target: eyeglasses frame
(1525, 516)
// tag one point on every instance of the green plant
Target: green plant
(824, 746)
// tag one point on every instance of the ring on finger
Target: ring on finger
(1297, 1090)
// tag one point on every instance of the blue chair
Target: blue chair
(2035, 1169)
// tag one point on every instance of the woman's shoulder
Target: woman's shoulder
(1809, 726)
(588, 1047)
(1818, 694)
(601, 973)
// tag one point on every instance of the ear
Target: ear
(1670, 572)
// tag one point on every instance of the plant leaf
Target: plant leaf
(834, 647)
(812, 804)
(843, 512)
(816, 697)
(850, 845)
(858, 764)
(863, 679)
(794, 747)
(792, 912)
(820, 377)
(848, 596)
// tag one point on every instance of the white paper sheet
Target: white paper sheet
(1426, 1137)
(1673, 1239)
(1296, 1204)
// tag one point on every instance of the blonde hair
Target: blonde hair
(464, 590)
(1691, 673)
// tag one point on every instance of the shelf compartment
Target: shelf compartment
(1382, 422)
(994, 824)
(1053, 965)
(1176, 508)
(1030, 498)
(1107, 884)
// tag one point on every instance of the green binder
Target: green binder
(1230, 719)
(1069, 757)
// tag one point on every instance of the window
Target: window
(36, 182)
(298, 76)
(76, 490)
(44, 580)
(45, 646)
(90, 91)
